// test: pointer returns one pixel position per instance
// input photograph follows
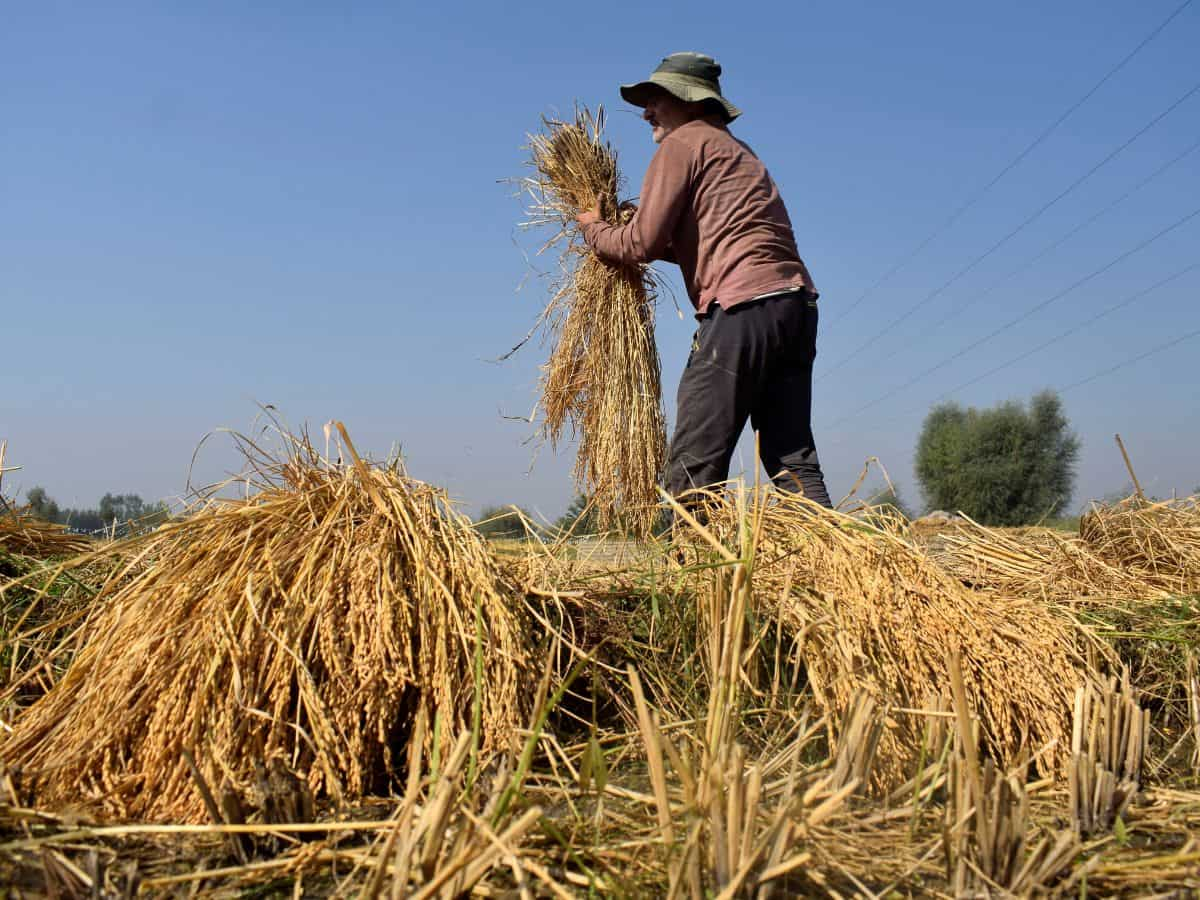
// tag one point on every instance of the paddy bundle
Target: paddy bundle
(602, 382)
(866, 612)
(46, 608)
(310, 622)
(23, 534)
(1132, 550)
(1157, 542)
(1036, 563)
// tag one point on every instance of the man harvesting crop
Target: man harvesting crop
(709, 205)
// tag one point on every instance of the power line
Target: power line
(1025, 315)
(971, 201)
(1015, 231)
(1070, 331)
(1129, 362)
(1153, 351)
(1040, 255)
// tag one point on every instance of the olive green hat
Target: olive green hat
(689, 76)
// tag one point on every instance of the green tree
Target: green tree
(83, 519)
(123, 507)
(41, 505)
(131, 509)
(1008, 465)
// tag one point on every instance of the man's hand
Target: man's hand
(588, 216)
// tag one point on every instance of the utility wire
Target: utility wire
(1025, 315)
(1070, 331)
(1029, 220)
(971, 201)
(1042, 254)
(1153, 351)
(1129, 362)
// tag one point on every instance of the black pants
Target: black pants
(753, 361)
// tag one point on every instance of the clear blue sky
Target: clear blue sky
(207, 206)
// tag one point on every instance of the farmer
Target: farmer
(709, 205)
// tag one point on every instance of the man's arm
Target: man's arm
(665, 194)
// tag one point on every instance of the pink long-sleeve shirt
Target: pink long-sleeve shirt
(708, 204)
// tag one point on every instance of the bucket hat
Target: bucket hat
(689, 76)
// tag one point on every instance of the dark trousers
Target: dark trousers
(755, 362)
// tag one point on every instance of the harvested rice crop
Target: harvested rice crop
(309, 623)
(1035, 563)
(602, 381)
(869, 612)
(22, 534)
(45, 610)
(1133, 550)
(1158, 543)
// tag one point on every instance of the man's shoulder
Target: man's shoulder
(700, 137)
(699, 132)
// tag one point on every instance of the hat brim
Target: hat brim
(639, 93)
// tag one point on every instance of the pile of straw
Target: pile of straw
(1133, 550)
(22, 534)
(1158, 543)
(870, 613)
(1035, 563)
(45, 611)
(602, 379)
(311, 622)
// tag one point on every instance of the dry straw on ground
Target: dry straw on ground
(23, 534)
(310, 622)
(45, 610)
(602, 381)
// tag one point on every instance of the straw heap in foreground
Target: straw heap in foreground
(603, 375)
(308, 624)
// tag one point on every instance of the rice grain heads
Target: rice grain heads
(310, 623)
(602, 379)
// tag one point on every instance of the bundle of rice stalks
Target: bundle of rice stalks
(1036, 563)
(311, 622)
(1133, 550)
(602, 379)
(865, 611)
(1157, 543)
(987, 826)
(23, 534)
(45, 610)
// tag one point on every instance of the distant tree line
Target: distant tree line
(118, 509)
